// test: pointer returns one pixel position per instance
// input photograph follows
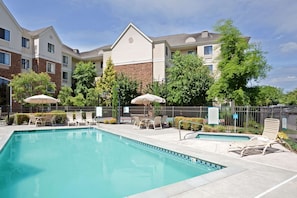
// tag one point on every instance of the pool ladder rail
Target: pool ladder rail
(186, 121)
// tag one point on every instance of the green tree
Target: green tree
(268, 95)
(127, 89)
(188, 80)
(290, 98)
(105, 84)
(65, 96)
(84, 75)
(92, 97)
(115, 101)
(30, 83)
(240, 62)
(78, 100)
(157, 88)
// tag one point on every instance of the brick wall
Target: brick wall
(15, 67)
(39, 65)
(142, 72)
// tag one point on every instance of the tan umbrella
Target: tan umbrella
(146, 99)
(41, 99)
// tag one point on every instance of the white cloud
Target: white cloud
(288, 47)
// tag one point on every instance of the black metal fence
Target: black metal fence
(244, 114)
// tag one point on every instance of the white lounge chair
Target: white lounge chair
(138, 123)
(156, 123)
(268, 137)
(89, 118)
(79, 119)
(70, 119)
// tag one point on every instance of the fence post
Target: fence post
(247, 117)
(172, 112)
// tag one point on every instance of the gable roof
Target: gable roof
(10, 15)
(37, 33)
(177, 40)
(131, 25)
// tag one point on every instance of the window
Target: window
(50, 48)
(65, 77)
(192, 52)
(4, 58)
(208, 50)
(5, 34)
(65, 61)
(25, 63)
(25, 42)
(210, 67)
(50, 67)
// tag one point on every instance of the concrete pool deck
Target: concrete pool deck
(255, 175)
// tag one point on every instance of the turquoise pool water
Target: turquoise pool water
(222, 137)
(88, 163)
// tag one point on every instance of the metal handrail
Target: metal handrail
(186, 121)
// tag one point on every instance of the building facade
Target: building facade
(133, 53)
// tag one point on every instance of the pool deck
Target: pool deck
(271, 175)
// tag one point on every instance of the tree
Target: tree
(240, 62)
(188, 80)
(115, 102)
(105, 84)
(84, 75)
(268, 95)
(290, 98)
(157, 88)
(65, 96)
(127, 89)
(30, 83)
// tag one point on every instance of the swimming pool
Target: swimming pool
(89, 163)
(222, 137)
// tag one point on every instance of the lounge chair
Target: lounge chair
(70, 119)
(79, 119)
(268, 137)
(156, 123)
(32, 119)
(138, 123)
(89, 118)
(164, 121)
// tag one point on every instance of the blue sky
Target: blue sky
(88, 24)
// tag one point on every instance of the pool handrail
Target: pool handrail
(186, 121)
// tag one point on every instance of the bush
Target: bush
(187, 125)
(10, 120)
(21, 118)
(110, 121)
(216, 128)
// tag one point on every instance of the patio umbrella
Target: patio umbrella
(146, 99)
(41, 99)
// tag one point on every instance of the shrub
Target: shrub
(21, 118)
(110, 121)
(187, 125)
(9, 120)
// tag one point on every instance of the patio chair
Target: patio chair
(70, 119)
(138, 123)
(32, 119)
(268, 137)
(164, 121)
(79, 119)
(89, 118)
(156, 123)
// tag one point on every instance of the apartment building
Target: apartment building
(133, 53)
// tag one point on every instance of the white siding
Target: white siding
(132, 48)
